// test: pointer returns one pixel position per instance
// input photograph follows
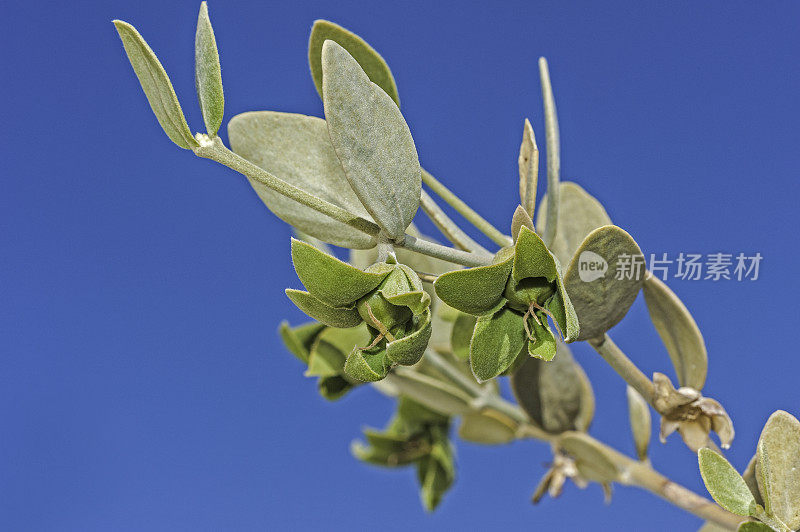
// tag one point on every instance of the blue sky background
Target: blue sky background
(143, 386)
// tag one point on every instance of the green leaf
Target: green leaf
(532, 258)
(333, 388)
(579, 214)
(331, 348)
(724, 483)
(409, 349)
(496, 342)
(208, 76)
(639, 415)
(372, 63)
(156, 85)
(325, 360)
(296, 148)
(543, 345)
(488, 428)
(367, 365)
(749, 476)
(521, 219)
(593, 460)
(298, 340)
(678, 331)
(600, 298)
(334, 317)
(560, 305)
(461, 335)
(435, 480)
(753, 526)
(372, 141)
(439, 396)
(557, 395)
(528, 172)
(330, 280)
(476, 290)
(778, 467)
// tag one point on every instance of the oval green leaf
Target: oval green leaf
(296, 148)
(320, 311)
(330, 280)
(496, 342)
(641, 427)
(557, 395)
(477, 290)
(208, 76)
(156, 85)
(370, 60)
(678, 331)
(724, 483)
(488, 428)
(778, 467)
(600, 297)
(439, 396)
(372, 141)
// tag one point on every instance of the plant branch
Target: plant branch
(432, 249)
(215, 150)
(447, 226)
(624, 366)
(465, 210)
(632, 472)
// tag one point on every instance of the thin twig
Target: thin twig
(465, 210)
(448, 227)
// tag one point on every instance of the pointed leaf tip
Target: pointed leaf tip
(156, 85)
(372, 141)
(370, 60)
(208, 75)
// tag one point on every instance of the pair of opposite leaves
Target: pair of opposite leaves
(584, 225)
(361, 158)
(417, 436)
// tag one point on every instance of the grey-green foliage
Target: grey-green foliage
(725, 484)
(678, 331)
(415, 436)
(324, 350)
(370, 60)
(156, 85)
(528, 170)
(297, 149)
(387, 296)
(513, 299)
(208, 75)
(372, 141)
(602, 302)
(778, 468)
(639, 416)
(355, 181)
(556, 395)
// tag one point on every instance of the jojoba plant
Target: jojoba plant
(434, 325)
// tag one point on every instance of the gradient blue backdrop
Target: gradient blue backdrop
(142, 383)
